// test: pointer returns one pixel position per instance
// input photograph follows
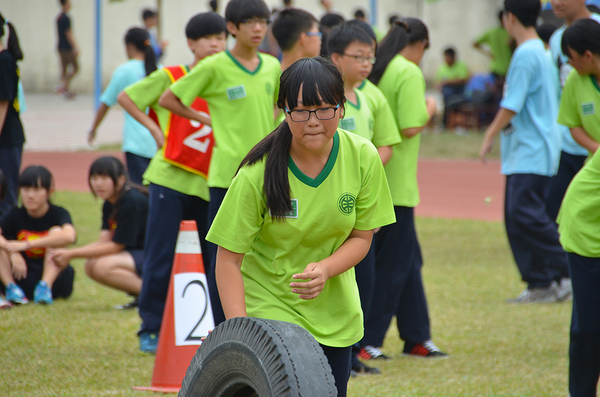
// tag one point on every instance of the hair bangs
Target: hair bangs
(319, 80)
(36, 176)
(205, 24)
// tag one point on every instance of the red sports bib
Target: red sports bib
(188, 143)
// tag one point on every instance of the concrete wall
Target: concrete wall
(451, 22)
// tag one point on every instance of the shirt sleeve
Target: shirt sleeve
(106, 212)
(6, 84)
(244, 206)
(117, 83)
(8, 224)
(193, 84)
(374, 207)
(484, 38)
(63, 217)
(385, 129)
(568, 114)
(517, 83)
(411, 106)
(130, 222)
(146, 92)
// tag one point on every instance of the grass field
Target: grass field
(84, 347)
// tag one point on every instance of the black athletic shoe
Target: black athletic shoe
(361, 368)
(131, 305)
(426, 349)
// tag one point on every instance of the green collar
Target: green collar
(363, 84)
(595, 82)
(242, 66)
(326, 170)
(357, 106)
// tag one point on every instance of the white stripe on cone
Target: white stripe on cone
(188, 243)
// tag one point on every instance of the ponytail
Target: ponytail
(277, 185)
(12, 45)
(141, 40)
(390, 46)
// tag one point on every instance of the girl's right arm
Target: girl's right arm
(104, 246)
(142, 118)
(230, 283)
(584, 139)
(100, 113)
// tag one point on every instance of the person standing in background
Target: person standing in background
(67, 51)
(150, 19)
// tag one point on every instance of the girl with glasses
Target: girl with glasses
(305, 202)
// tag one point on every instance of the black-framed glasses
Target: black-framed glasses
(321, 113)
(361, 59)
(254, 21)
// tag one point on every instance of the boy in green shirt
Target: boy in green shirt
(240, 87)
(176, 192)
(297, 34)
(352, 51)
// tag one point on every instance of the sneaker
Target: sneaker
(4, 304)
(426, 349)
(42, 294)
(149, 342)
(547, 294)
(565, 290)
(371, 353)
(131, 305)
(362, 368)
(15, 294)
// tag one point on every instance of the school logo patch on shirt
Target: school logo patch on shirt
(346, 203)
(237, 92)
(588, 108)
(348, 124)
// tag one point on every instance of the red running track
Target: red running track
(456, 189)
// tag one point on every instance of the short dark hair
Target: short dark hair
(331, 20)
(319, 81)
(545, 31)
(366, 27)
(345, 34)
(289, 25)
(582, 36)
(205, 24)
(526, 11)
(148, 13)
(359, 14)
(62, 2)
(238, 10)
(36, 176)
(450, 52)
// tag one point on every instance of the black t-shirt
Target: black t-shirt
(12, 131)
(129, 226)
(18, 225)
(63, 22)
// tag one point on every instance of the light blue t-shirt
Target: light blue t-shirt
(531, 143)
(136, 138)
(564, 69)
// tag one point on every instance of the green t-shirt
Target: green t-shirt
(403, 85)
(498, 40)
(360, 119)
(579, 216)
(350, 193)
(146, 93)
(241, 105)
(458, 71)
(580, 104)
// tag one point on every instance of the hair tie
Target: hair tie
(6, 22)
(400, 22)
(147, 42)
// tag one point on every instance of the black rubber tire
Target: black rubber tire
(246, 357)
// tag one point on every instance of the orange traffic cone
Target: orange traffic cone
(187, 316)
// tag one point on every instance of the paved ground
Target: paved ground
(56, 129)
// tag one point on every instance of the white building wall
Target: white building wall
(451, 22)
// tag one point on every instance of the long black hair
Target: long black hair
(12, 45)
(321, 82)
(113, 168)
(390, 46)
(582, 36)
(140, 39)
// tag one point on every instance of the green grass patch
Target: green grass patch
(84, 347)
(448, 145)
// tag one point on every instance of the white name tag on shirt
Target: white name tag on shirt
(236, 92)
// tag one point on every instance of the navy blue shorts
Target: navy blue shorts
(138, 259)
